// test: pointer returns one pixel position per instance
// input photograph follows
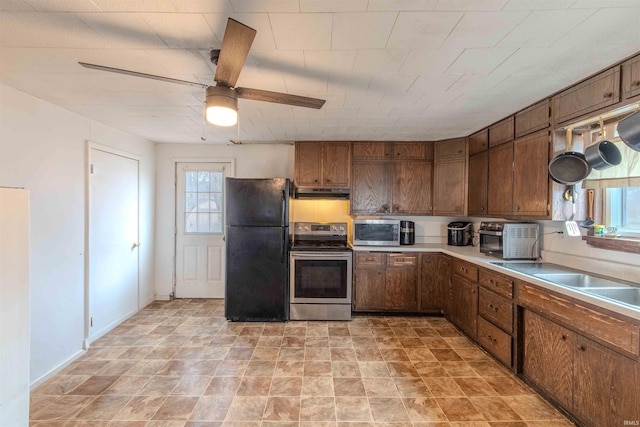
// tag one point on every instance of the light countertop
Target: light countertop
(473, 255)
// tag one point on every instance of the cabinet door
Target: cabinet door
(370, 192)
(455, 148)
(449, 187)
(531, 175)
(479, 141)
(593, 94)
(308, 164)
(532, 119)
(478, 181)
(371, 150)
(431, 295)
(336, 164)
(501, 132)
(500, 189)
(369, 289)
(464, 306)
(412, 150)
(548, 357)
(631, 77)
(401, 282)
(607, 385)
(411, 191)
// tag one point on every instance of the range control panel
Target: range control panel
(320, 229)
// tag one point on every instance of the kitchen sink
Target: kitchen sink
(578, 280)
(628, 295)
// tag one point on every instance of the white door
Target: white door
(113, 241)
(200, 248)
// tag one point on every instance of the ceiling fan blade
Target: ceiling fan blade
(146, 76)
(280, 98)
(236, 43)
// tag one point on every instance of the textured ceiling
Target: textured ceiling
(389, 69)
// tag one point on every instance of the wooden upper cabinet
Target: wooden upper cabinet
(323, 164)
(501, 132)
(533, 119)
(500, 187)
(412, 150)
(450, 148)
(631, 77)
(531, 175)
(479, 141)
(308, 167)
(336, 164)
(478, 181)
(450, 177)
(598, 92)
(371, 150)
(370, 189)
(411, 192)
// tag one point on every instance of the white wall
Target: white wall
(251, 161)
(43, 148)
(14, 307)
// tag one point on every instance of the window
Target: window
(623, 210)
(203, 202)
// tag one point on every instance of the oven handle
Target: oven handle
(491, 233)
(323, 255)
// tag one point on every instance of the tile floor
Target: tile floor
(180, 363)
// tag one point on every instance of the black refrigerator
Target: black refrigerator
(257, 244)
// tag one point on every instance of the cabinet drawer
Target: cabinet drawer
(450, 148)
(401, 260)
(497, 283)
(466, 270)
(495, 341)
(501, 132)
(619, 333)
(479, 141)
(369, 258)
(496, 309)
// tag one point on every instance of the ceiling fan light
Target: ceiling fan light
(222, 106)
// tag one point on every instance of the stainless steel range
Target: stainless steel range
(321, 268)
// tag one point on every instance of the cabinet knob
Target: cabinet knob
(315, 180)
(635, 84)
(563, 337)
(517, 208)
(328, 180)
(582, 348)
(607, 95)
(482, 208)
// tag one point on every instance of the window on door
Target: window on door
(203, 202)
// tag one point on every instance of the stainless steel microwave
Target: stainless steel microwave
(376, 232)
(509, 240)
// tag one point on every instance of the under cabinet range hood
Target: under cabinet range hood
(321, 193)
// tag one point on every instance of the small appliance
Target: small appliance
(407, 233)
(509, 240)
(376, 232)
(459, 233)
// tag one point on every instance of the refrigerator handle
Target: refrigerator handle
(284, 245)
(284, 209)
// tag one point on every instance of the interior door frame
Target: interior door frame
(174, 218)
(90, 145)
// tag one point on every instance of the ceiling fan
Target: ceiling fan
(222, 99)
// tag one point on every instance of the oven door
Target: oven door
(321, 277)
(491, 243)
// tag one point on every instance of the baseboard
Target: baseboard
(108, 329)
(163, 297)
(148, 301)
(55, 370)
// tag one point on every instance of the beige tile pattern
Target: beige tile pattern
(181, 364)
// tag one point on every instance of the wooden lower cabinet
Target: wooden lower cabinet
(435, 283)
(464, 305)
(599, 386)
(385, 282)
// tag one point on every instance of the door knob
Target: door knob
(135, 245)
